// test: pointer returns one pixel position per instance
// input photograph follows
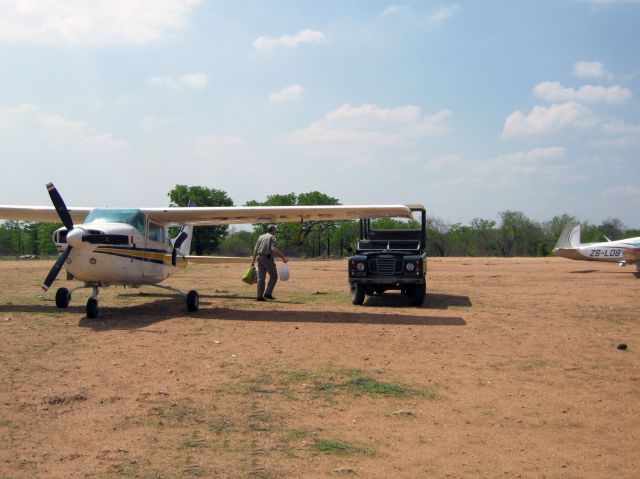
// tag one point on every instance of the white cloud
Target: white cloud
(619, 127)
(627, 134)
(554, 91)
(591, 70)
(529, 162)
(304, 36)
(547, 164)
(395, 9)
(372, 125)
(289, 93)
(544, 120)
(444, 13)
(46, 128)
(94, 23)
(196, 81)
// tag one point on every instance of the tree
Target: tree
(613, 228)
(206, 239)
(486, 236)
(437, 236)
(311, 238)
(238, 243)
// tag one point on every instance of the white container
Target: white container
(283, 274)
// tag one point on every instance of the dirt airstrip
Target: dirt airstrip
(510, 369)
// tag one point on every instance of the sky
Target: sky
(468, 107)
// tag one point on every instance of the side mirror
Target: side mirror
(349, 249)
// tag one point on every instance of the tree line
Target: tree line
(514, 234)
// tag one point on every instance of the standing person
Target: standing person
(264, 250)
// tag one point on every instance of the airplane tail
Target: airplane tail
(569, 238)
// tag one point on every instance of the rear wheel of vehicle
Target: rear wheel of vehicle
(193, 301)
(357, 293)
(62, 297)
(416, 294)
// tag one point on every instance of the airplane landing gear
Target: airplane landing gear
(193, 301)
(62, 297)
(191, 298)
(92, 304)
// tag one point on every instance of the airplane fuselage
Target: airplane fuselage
(145, 258)
(611, 251)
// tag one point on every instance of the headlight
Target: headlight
(410, 267)
(360, 266)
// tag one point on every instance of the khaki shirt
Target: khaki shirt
(264, 244)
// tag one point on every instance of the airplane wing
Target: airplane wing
(45, 214)
(223, 215)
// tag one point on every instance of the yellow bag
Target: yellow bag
(250, 276)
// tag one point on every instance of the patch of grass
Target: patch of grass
(359, 383)
(5, 422)
(343, 448)
(179, 413)
(363, 384)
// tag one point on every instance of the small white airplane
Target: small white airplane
(131, 247)
(624, 251)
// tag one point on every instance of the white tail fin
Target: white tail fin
(570, 236)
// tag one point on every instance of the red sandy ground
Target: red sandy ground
(510, 369)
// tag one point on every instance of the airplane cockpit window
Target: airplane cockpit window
(157, 233)
(135, 218)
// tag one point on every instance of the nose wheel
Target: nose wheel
(92, 308)
(92, 304)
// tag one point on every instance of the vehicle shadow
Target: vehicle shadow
(431, 301)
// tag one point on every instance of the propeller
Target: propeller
(65, 216)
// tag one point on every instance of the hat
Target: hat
(272, 227)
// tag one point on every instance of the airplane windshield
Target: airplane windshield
(134, 218)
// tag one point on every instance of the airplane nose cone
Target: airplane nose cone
(74, 237)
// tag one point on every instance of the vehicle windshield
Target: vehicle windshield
(131, 217)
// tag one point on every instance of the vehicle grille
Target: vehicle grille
(385, 265)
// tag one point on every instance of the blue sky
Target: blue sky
(469, 107)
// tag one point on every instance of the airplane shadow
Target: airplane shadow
(230, 296)
(619, 272)
(139, 316)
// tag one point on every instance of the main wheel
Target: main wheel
(357, 293)
(416, 294)
(92, 308)
(62, 297)
(193, 301)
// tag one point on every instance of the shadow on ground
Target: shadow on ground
(157, 310)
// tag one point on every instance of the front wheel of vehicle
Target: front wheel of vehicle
(416, 294)
(357, 293)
